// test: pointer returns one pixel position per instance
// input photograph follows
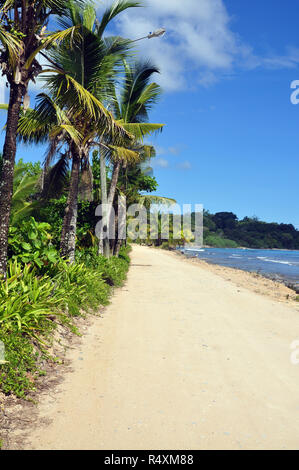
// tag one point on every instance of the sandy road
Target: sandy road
(182, 359)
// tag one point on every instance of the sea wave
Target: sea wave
(268, 260)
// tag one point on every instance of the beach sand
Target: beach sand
(251, 280)
(186, 356)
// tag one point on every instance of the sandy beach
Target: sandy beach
(184, 357)
(251, 280)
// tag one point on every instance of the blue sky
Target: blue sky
(231, 140)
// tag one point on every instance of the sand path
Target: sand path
(182, 359)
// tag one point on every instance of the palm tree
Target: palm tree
(22, 36)
(86, 81)
(131, 110)
(136, 180)
(137, 96)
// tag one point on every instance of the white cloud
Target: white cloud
(160, 163)
(273, 61)
(186, 165)
(173, 150)
(199, 47)
(198, 37)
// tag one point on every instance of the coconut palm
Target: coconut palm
(131, 110)
(137, 96)
(134, 181)
(88, 74)
(22, 36)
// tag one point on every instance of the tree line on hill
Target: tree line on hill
(225, 230)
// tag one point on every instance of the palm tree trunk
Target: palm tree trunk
(112, 191)
(121, 225)
(104, 245)
(114, 180)
(9, 154)
(69, 226)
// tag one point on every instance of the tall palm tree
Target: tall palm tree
(22, 36)
(89, 72)
(94, 64)
(131, 110)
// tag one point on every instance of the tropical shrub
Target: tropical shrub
(84, 287)
(31, 305)
(17, 374)
(31, 242)
(27, 301)
(113, 270)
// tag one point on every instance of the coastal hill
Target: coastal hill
(225, 230)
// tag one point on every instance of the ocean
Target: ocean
(280, 265)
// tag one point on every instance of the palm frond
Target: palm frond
(56, 177)
(81, 101)
(12, 44)
(89, 17)
(24, 186)
(136, 80)
(70, 130)
(36, 124)
(117, 7)
(148, 199)
(31, 129)
(149, 95)
(54, 38)
(140, 130)
(124, 154)
(18, 215)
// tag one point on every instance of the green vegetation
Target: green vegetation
(93, 115)
(32, 305)
(218, 241)
(224, 230)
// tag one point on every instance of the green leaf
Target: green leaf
(26, 246)
(32, 235)
(37, 244)
(52, 257)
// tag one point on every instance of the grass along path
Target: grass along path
(182, 359)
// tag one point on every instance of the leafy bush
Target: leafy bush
(27, 301)
(113, 270)
(31, 242)
(83, 287)
(31, 304)
(17, 375)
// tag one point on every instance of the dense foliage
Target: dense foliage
(223, 229)
(32, 305)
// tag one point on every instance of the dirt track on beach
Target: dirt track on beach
(181, 359)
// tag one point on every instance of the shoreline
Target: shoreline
(256, 282)
(288, 282)
(248, 248)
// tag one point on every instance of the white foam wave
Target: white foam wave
(268, 260)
